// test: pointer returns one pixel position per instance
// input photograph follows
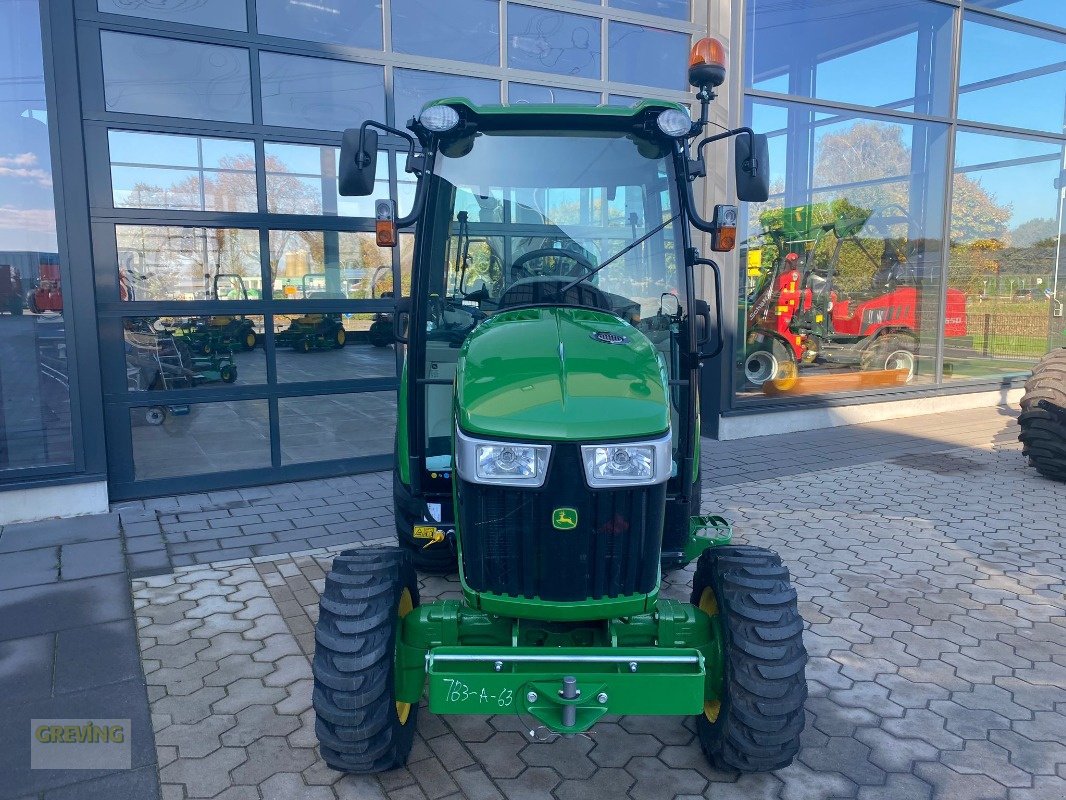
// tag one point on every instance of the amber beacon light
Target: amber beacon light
(706, 63)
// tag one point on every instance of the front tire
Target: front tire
(361, 727)
(1043, 417)
(757, 723)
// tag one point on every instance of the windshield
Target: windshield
(517, 218)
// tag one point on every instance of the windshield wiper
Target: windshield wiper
(619, 254)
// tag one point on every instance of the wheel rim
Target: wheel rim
(341, 337)
(249, 340)
(403, 710)
(709, 605)
(786, 377)
(901, 361)
(760, 367)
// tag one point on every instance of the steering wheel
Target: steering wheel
(519, 264)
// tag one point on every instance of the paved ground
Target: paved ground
(928, 558)
(931, 583)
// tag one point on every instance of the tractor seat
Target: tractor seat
(547, 290)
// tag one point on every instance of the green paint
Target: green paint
(555, 610)
(537, 374)
(403, 447)
(705, 532)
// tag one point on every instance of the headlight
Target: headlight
(439, 118)
(627, 464)
(501, 463)
(673, 122)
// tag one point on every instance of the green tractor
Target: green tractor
(549, 427)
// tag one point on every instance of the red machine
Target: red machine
(799, 316)
(10, 289)
(47, 295)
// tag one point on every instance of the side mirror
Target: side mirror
(359, 162)
(753, 168)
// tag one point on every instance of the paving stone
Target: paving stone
(655, 780)
(26, 667)
(67, 604)
(207, 776)
(269, 755)
(198, 739)
(96, 655)
(89, 559)
(246, 692)
(948, 783)
(29, 567)
(569, 756)
(258, 721)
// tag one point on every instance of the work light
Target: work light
(627, 464)
(439, 118)
(674, 122)
(501, 463)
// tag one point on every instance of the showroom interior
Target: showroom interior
(187, 303)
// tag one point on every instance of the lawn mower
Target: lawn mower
(221, 333)
(551, 437)
(801, 314)
(313, 332)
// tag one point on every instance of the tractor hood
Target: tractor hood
(562, 374)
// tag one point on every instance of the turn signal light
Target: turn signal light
(385, 223)
(706, 63)
(724, 237)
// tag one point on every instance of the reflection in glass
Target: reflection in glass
(647, 56)
(522, 93)
(172, 439)
(1052, 12)
(552, 41)
(356, 23)
(622, 100)
(842, 267)
(336, 426)
(675, 9)
(1023, 86)
(334, 346)
(1005, 267)
(413, 88)
(173, 353)
(191, 173)
(302, 179)
(177, 263)
(35, 426)
(319, 93)
(316, 265)
(229, 14)
(462, 30)
(865, 52)
(152, 75)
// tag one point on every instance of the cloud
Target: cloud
(23, 165)
(37, 220)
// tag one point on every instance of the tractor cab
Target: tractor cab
(548, 444)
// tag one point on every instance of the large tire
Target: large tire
(360, 725)
(756, 726)
(1055, 361)
(892, 352)
(1048, 381)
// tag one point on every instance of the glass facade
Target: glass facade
(237, 292)
(913, 233)
(35, 402)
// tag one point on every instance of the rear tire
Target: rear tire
(1043, 417)
(361, 727)
(892, 352)
(756, 726)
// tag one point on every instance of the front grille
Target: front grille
(510, 546)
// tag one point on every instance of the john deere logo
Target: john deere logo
(564, 519)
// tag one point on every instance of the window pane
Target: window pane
(178, 353)
(1024, 86)
(676, 9)
(412, 89)
(316, 265)
(337, 426)
(1050, 11)
(519, 93)
(35, 428)
(1005, 276)
(356, 23)
(191, 173)
(210, 437)
(302, 179)
(151, 75)
(318, 93)
(334, 346)
(864, 52)
(229, 14)
(551, 41)
(648, 56)
(463, 30)
(622, 100)
(176, 263)
(853, 305)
